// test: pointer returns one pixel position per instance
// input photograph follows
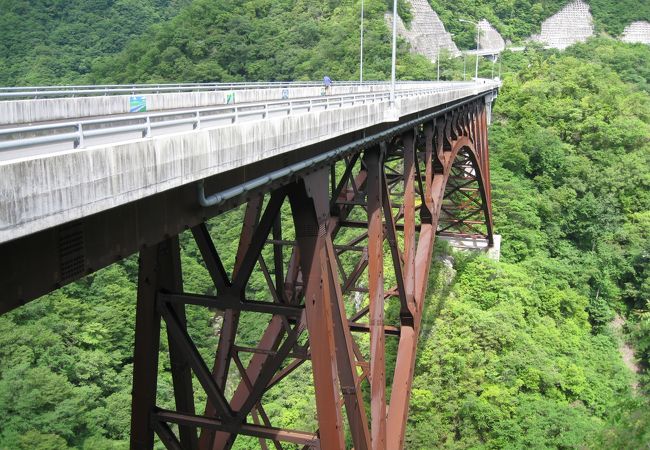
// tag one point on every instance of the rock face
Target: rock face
(571, 25)
(637, 33)
(490, 37)
(427, 35)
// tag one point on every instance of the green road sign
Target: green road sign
(137, 104)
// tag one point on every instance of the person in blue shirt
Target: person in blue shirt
(327, 81)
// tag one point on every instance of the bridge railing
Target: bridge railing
(35, 92)
(78, 132)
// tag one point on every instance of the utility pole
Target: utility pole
(464, 66)
(478, 46)
(478, 40)
(361, 48)
(392, 70)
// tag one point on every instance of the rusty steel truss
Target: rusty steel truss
(345, 249)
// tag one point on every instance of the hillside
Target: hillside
(522, 354)
(262, 40)
(519, 20)
(514, 354)
(57, 41)
(47, 42)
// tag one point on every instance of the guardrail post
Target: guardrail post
(79, 142)
(197, 124)
(147, 130)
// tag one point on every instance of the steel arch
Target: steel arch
(363, 227)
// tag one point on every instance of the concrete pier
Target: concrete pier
(475, 245)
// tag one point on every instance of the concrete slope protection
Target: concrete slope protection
(573, 24)
(427, 34)
(637, 33)
(490, 39)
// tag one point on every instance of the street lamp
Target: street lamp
(361, 51)
(464, 66)
(478, 39)
(392, 68)
(392, 114)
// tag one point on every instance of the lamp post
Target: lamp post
(391, 114)
(464, 66)
(361, 48)
(392, 69)
(478, 39)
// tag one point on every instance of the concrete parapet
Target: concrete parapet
(40, 192)
(16, 112)
(475, 244)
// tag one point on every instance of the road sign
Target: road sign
(137, 104)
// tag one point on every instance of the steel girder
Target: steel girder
(345, 252)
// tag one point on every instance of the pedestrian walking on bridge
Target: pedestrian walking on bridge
(327, 81)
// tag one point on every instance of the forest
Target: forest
(524, 352)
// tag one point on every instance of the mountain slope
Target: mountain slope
(519, 19)
(268, 40)
(56, 41)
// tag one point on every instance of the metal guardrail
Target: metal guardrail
(77, 131)
(13, 93)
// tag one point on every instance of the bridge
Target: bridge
(343, 193)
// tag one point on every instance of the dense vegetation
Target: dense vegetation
(514, 354)
(262, 40)
(522, 354)
(57, 41)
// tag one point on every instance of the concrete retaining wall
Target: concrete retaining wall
(572, 24)
(637, 33)
(490, 39)
(427, 34)
(41, 192)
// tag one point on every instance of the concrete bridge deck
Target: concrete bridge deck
(47, 190)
